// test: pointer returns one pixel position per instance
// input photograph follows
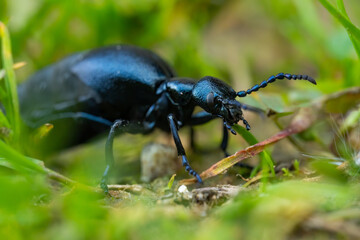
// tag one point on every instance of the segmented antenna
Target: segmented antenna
(272, 79)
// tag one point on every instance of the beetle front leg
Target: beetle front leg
(180, 148)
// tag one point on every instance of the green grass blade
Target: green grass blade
(5, 132)
(250, 139)
(351, 28)
(3, 120)
(2, 74)
(17, 160)
(10, 101)
(171, 181)
(356, 43)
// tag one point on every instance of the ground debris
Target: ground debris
(214, 195)
(208, 195)
(135, 188)
(348, 228)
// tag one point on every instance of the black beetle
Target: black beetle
(129, 89)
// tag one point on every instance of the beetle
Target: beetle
(128, 89)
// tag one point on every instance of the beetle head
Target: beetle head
(218, 98)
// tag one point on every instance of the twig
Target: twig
(301, 122)
(51, 174)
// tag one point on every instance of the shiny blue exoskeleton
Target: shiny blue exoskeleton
(128, 89)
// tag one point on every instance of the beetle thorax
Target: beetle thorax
(179, 90)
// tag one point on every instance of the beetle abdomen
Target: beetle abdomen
(112, 82)
(123, 75)
(52, 90)
(116, 82)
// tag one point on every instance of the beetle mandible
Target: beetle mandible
(129, 90)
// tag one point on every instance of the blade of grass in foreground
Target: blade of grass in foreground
(266, 161)
(10, 100)
(17, 160)
(351, 28)
(4, 127)
(3, 121)
(356, 43)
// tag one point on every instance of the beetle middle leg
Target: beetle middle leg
(225, 141)
(180, 148)
(69, 115)
(119, 126)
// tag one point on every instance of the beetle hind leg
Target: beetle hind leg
(119, 126)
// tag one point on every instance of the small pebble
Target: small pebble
(158, 160)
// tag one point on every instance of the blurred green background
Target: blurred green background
(238, 41)
(241, 42)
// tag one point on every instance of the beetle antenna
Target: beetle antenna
(272, 79)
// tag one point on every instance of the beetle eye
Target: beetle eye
(210, 100)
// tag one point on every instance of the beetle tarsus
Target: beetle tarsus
(198, 178)
(247, 125)
(228, 126)
(189, 169)
(181, 152)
